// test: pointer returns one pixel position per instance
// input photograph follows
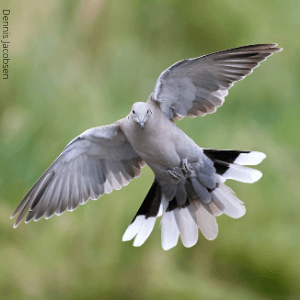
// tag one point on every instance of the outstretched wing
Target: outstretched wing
(97, 161)
(196, 87)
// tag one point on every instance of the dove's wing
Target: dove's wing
(196, 87)
(97, 161)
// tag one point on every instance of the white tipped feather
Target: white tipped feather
(142, 225)
(133, 228)
(160, 212)
(228, 202)
(187, 227)
(207, 223)
(252, 158)
(242, 174)
(212, 209)
(169, 231)
(219, 178)
(205, 220)
(144, 232)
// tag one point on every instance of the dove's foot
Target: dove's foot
(187, 171)
(178, 174)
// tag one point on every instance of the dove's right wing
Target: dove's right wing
(198, 86)
(97, 161)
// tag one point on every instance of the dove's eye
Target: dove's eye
(149, 111)
(133, 112)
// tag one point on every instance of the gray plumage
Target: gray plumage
(188, 190)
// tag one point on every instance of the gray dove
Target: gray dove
(188, 191)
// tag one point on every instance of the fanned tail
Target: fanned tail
(197, 201)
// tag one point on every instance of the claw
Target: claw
(186, 169)
(178, 174)
(177, 177)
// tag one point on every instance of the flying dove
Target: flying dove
(188, 191)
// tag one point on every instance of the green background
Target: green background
(80, 64)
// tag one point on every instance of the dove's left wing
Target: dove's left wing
(97, 161)
(196, 87)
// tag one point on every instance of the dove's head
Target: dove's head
(140, 113)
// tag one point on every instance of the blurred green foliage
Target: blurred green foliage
(79, 64)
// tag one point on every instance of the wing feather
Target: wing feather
(197, 86)
(99, 160)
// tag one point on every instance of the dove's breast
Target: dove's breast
(161, 142)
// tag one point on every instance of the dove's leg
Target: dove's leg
(186, 168)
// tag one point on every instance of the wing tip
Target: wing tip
(274, 46)
(16, 224)
(17, 210)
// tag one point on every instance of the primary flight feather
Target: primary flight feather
(188, 191)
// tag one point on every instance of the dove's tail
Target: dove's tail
(229, 164)
(196, 212)
(144, 220)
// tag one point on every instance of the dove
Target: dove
(188, 191)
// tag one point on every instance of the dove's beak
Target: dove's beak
(142, 125)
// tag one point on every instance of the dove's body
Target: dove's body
(161, 144)
(188, 189)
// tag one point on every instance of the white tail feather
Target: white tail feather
(187, 227)
(228, 202)
(133, 228)
(251, 158)
(169, 231)
(144, 232)
(242, 174)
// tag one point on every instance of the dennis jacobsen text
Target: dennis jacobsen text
(5, 43)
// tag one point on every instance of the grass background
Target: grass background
(79, 64)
